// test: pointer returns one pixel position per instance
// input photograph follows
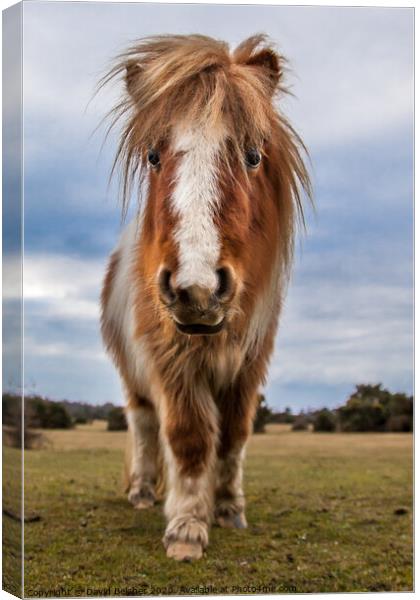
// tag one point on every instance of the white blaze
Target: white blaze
(195, 200)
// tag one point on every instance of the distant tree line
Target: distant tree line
(39, 412)
(43, 413)
(369, 408)
(81, 412)
(116, 419)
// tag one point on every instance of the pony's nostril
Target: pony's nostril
(165, 287)
(184, 296)
(224, 282)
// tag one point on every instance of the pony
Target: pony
(193, 291)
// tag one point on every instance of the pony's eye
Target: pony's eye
(252, 158)
(153, 157)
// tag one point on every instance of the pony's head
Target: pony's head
(222, 168)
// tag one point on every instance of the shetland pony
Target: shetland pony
(193, 291)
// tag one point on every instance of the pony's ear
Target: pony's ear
(132, 77)
(269, 62)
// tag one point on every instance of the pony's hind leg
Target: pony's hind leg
(237, 409)
(144, 431)
(230, 499)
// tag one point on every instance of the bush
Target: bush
(47, 414)
(325, 420)
(301, 423)
(262, 416)
(80, 420)
(362, 417)
(373, 408)
(288, 416)
(86, 413)
(401, 423)
(15, 432)
(117, 420)
(283, 417)
(39, 412)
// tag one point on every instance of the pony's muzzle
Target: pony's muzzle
(196, 310)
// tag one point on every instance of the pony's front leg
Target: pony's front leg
(189, 437)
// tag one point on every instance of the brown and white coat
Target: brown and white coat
(193, 291)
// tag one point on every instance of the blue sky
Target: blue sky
(348, 314)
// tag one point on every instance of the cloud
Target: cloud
(332, 336)
(63, 286)
(352, 68)
(355, 74)
(63, 350)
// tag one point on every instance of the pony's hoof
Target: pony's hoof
(184, 551)
(141, 499)
(236, 521)
(143, 504)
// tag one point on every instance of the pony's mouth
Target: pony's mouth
(199, 328)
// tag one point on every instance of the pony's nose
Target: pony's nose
(197, 311)
(197, 299)
(194, 298)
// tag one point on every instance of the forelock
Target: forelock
(194, 79)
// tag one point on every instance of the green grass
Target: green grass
(321, 513)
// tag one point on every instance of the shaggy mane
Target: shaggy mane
(194, 79)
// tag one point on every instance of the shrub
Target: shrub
(39, 412)
(47, 414)
(80, 420)
(373, 408)
(263, 415)
(301, 423)
(117, 420)
(16, 432)
(283, 417)
(402, 423)
(325, 420)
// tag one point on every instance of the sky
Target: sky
(348, 317)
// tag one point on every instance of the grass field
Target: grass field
(326, 512)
